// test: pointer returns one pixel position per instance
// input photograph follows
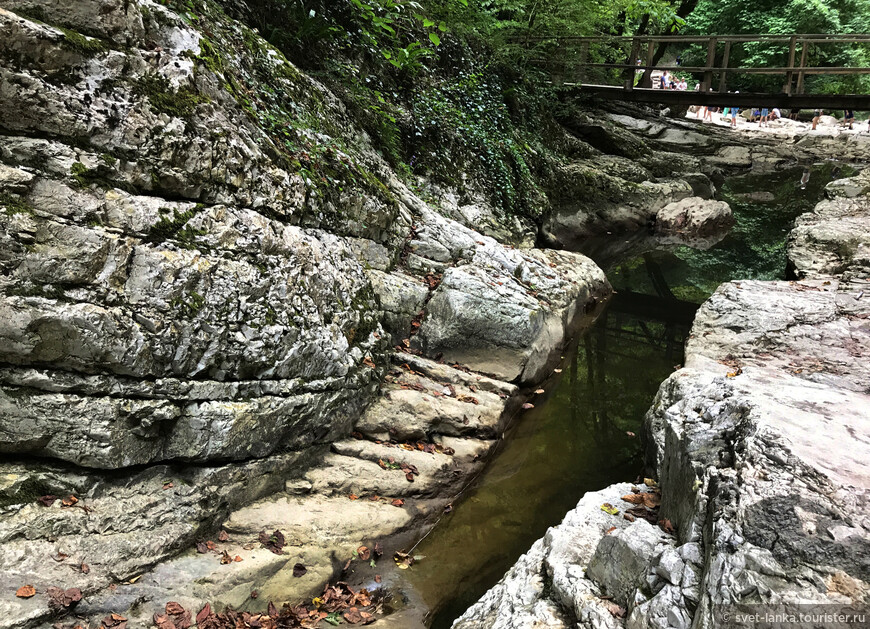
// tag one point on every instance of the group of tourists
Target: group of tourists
(761, 115)
(764, 116)
(667, 82)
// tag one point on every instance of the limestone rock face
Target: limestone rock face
(120, 527)
(594, 198)
(153, 306)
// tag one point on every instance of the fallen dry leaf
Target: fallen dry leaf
(274, 542)
(364, 553)
(47, 500)
(403, 560)
(204, 613)
(299, 570)
(58, 598)
(615, 610)
(609, 508)
(650, 499)
(25, 591)
(223, 536)
(368, 362)
(174, 609)
(114, 621)
(353, 616)
(398, 502)
(69, 501)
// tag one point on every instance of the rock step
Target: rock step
(354, 468)
(445, 373)
(422, 398)
(348, 475)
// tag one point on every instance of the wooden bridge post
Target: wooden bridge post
(632, 61)
(800, 80)
(708, 69)
(723, 76)
(792, 43)
(646, 79)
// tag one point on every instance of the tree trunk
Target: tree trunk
(685, 8)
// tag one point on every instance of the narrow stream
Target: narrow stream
(581, 434)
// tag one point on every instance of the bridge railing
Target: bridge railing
(609, 58)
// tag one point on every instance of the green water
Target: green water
(576, 438)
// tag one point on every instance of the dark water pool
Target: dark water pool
(577, 438)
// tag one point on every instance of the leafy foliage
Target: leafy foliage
(778, 17)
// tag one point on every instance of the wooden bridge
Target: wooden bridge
(713, 75)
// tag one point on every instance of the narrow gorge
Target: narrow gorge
(262, 364)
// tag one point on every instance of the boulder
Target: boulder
(621, 559)
(694, 217)
(504, 312)
(834, 239)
